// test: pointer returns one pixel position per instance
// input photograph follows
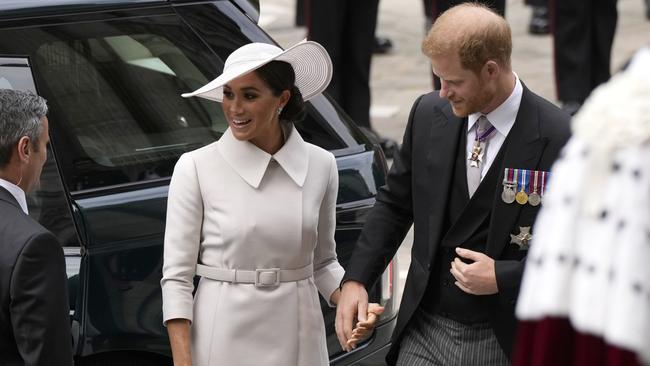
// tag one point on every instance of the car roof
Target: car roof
(13, 9)
(12, 5)
(21, 8)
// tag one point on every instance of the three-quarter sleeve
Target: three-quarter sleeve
(182, 240)
(327, 270)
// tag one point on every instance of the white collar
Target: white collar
(17, 192)
(503, 117)
(251, 162)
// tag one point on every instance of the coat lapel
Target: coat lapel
(251, 162)
(445, 130)
(524, 148)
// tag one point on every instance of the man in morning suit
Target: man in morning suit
(469, 245)
(34, 311)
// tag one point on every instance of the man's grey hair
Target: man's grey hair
(20, 115)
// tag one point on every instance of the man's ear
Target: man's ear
(492, 69)
(24, 149)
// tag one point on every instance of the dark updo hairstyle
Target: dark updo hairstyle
(279, 76)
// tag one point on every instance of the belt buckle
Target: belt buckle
(262, 277)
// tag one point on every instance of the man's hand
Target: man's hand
(352, 306)
(477, 278)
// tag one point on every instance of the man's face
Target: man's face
(466, 91)
(38, 155)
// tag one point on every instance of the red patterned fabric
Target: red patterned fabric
(553, 341)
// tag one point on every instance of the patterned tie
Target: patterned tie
(484, 130)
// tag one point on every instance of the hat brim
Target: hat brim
(310, 61)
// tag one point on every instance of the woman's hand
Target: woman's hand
(363, 329)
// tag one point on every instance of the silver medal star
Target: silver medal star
(476, 156)
(476, 162)
(523, 238)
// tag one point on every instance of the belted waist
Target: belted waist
(261, 277)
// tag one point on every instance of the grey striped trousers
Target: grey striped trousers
(434, 340)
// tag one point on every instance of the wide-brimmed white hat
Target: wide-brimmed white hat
(311, 64)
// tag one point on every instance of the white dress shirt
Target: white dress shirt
(17, 192)
(502, 118)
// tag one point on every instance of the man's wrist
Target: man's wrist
(349, 280)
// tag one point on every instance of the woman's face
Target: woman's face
(252, 110)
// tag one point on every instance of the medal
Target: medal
(521, 197)
(508, 194)
(534, 198)
(476, 155)
(523, 238)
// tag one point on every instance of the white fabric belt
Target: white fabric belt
(262, 277)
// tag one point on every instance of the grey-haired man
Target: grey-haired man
(34, 320)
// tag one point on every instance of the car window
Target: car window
(47, 203)
(113, 90)
(15, 73)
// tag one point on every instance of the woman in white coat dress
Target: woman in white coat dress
(253, 214)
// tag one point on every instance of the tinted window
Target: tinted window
(16, 74)
(47, 204)
(113, 90)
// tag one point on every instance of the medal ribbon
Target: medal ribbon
(507, 176)
(532, 187)
(545, 178)
(484, 135)
(523, 181)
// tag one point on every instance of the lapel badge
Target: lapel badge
(523, 238)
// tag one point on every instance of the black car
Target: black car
(113, 72)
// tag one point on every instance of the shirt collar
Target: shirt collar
(17, 192)
(251, 162)
(503, 117)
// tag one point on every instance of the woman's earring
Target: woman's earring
(279, 110)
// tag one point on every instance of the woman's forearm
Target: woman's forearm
(179, 338)
(334, 299)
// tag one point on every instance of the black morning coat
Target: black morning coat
(34, 311)
(416, 192)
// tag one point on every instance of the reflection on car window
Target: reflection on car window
(114, 94)
(16, 74)
(47, 204)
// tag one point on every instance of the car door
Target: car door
(118, 126)
(49, 203)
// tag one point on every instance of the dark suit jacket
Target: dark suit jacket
(34, 311)
(416, 190)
